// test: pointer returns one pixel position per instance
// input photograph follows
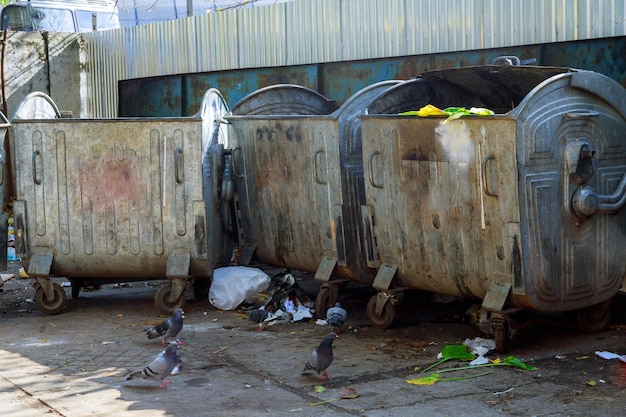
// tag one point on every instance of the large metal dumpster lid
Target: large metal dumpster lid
(37, 105)
(493, 82)
(284, 99)
(498, 87)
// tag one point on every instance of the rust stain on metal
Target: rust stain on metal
(105, 179)
(283, 76)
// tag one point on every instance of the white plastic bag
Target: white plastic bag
(232, 285)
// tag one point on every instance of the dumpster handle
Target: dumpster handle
(178, 163)
(371, 170)
(483, 173)
(36, 155)
(232, 162)
(315, 176)
(582, 115)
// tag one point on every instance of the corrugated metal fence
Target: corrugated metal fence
(312, 31)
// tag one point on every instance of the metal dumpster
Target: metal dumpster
(522, 209)
(298, 175)
(282, 166)
(115, 200)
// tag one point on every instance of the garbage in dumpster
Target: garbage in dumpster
(232, 285)
(451, 112)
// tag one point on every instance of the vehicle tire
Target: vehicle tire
(595, 318)
(162, 303)
(50, 307)
(387, 317)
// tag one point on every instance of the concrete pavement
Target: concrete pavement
(74, 364)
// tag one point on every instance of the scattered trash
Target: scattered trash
(302, 313)
(66, 284)
(5, 278)
(285, 294)
(452, 352)
(480, 360)
(460, 352)
(22, 273)
(232, 285)
(433, 378)
(480, 347)
(286, 300)
(11, 254)
(346, 394)
(506, 391)
(611, 355)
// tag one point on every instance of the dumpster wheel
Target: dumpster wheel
(53, 306)
(77, 284)
(595, 318)
(323, 301)
(387, 316)
(162, 300)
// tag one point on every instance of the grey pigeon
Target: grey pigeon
(336, 316)
(262, 317)
(168, 328)
(160, 367)
(322, 357)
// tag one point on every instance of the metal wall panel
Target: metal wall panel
(317, 31)
(313, 28)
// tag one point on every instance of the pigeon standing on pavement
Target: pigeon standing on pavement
(262, 317)
(336, 316)
(322, 357)
(168, 328)
(160, 367)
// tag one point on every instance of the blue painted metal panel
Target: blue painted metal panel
(235, 85)
(180, 95)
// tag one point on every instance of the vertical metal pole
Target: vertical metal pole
(189, 8)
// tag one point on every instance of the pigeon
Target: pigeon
(262, 317)
(160, 367)
(322, 357)
(336, 316)
(168, 328)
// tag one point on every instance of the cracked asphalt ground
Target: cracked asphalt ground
(75, 363)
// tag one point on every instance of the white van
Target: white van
(60, 16)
